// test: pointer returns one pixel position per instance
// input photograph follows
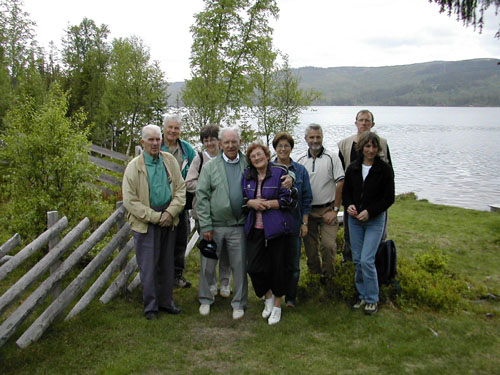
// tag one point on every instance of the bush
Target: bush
(428, 283)
(48, 166)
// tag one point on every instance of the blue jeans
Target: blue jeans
(292, 259)
(365, 238)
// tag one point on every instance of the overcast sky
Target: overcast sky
(321, 33)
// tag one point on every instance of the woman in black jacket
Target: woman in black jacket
(367, 194)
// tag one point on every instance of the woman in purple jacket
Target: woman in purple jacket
(268, 221)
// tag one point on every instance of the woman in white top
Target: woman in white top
(367, 194)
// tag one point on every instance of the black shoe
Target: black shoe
(171, 310)
(151, 315)
(181, 282)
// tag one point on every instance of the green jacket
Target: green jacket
(135, 190)
(188, 154)
(212, 196)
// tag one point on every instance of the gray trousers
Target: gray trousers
(155, 257)
(232, 239)
(224, 267)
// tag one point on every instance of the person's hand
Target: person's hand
(363, 216)
(303, 230)
(286, 181)
(259, 204)
(351, 210)
(166, 220)
(329, 217)
(207, 235)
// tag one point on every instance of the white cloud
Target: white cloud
(319, 33)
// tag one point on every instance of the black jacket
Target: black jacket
(375, 194)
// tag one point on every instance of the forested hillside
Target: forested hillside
(438, 83)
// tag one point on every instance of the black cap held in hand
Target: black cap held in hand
(208, 249)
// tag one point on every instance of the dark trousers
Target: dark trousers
(181, 241)
(155, 257)
(292, 258)
(266, 263)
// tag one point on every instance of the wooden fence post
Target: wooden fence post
(33, 247)
(16, 290)
(120, 281)
(36, 330)
(52, 217)
(102, 279)
(135, 283)
(10, 325)
(10, 244)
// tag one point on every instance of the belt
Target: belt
(322, 205)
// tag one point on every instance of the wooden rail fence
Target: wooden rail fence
(115, 255)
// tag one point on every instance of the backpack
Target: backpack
(190, 196)
(386, 262)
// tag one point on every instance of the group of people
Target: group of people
(255, 212)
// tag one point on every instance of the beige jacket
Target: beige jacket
(135, 189)
(345, 147)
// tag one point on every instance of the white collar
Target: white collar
(227, 160)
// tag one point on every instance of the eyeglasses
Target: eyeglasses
(285, 146)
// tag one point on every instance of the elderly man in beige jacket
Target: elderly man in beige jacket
(154, 193)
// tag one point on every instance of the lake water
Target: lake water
(446, 155)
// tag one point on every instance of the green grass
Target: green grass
(320, 336)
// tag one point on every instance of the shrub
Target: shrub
(48, 166)
(426, 282)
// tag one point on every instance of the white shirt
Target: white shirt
(364, 171)
(325, 170)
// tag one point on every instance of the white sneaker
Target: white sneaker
(238, 314)
(268, 307)
(204, 309)
(214, 290)
(225, 291)
(275, 316)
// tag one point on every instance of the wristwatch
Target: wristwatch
(336, 209)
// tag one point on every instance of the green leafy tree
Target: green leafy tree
(135, 93)
(17, 37)
(48, 166)
(227, 36)
(85, 55)
(5, 89)
(471, 12)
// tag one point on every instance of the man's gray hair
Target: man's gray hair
(223, 130)
(314, 127)
(172, 118)
(150, 127)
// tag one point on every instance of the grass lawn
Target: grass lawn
(320, 336)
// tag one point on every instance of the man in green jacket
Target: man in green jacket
(154, 194)
(184, 153)
(219, 199)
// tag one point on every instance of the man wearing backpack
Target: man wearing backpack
(184, 154)
(347, 154)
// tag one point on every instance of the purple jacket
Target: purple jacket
(276, 222)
